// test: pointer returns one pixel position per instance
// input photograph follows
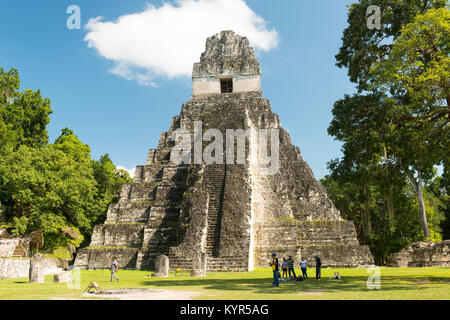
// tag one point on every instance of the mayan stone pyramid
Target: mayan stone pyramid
(223, 217)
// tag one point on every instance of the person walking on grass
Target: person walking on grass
(275, 270)
(114, 269)
(303, 266)
(284, 266)
(290, 263)
(318, 267)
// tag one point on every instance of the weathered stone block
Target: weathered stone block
(65, 277)
(161, 266)
(37, 269)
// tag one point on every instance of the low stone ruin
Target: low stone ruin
(63, 277)
(12, 248)
(15, 261)
(19, 247)
(422, 254)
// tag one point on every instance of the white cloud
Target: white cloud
(167, 40)
(130, 72)
(130, 171)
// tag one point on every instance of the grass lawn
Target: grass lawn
(396, 284)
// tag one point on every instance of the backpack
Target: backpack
(300, 278)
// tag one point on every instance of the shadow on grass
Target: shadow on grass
(310, 286)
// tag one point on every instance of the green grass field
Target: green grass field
(396, 284)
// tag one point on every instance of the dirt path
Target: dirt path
(138, 294)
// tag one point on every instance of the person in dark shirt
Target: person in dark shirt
(318, 267)
(290, 262)
(275, 269)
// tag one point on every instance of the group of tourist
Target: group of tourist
(287, 266)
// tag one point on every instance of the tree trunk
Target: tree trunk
(390, 207)
(367, 221)
(390, 198)
(418, 190)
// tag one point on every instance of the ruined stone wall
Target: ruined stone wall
(101, 258)
(11, 268)
(334, 241)
(118, 235)
(422, 254)
(8, 246)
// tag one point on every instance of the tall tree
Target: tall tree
(378, 122)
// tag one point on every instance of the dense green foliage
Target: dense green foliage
(56, 188)
(395, 129)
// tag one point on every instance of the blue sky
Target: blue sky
(124, 118)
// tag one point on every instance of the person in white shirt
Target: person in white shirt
(114, 269)
(303, 266)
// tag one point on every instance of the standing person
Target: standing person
(114, 269)
(303, 266)
(275, 269)
(290, 262)
(318, 267)
(284, 266)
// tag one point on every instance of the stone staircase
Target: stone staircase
(231, 264)
(215, 175)
(179, 262)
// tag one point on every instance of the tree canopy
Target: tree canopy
(395, 128)
(56, 188)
